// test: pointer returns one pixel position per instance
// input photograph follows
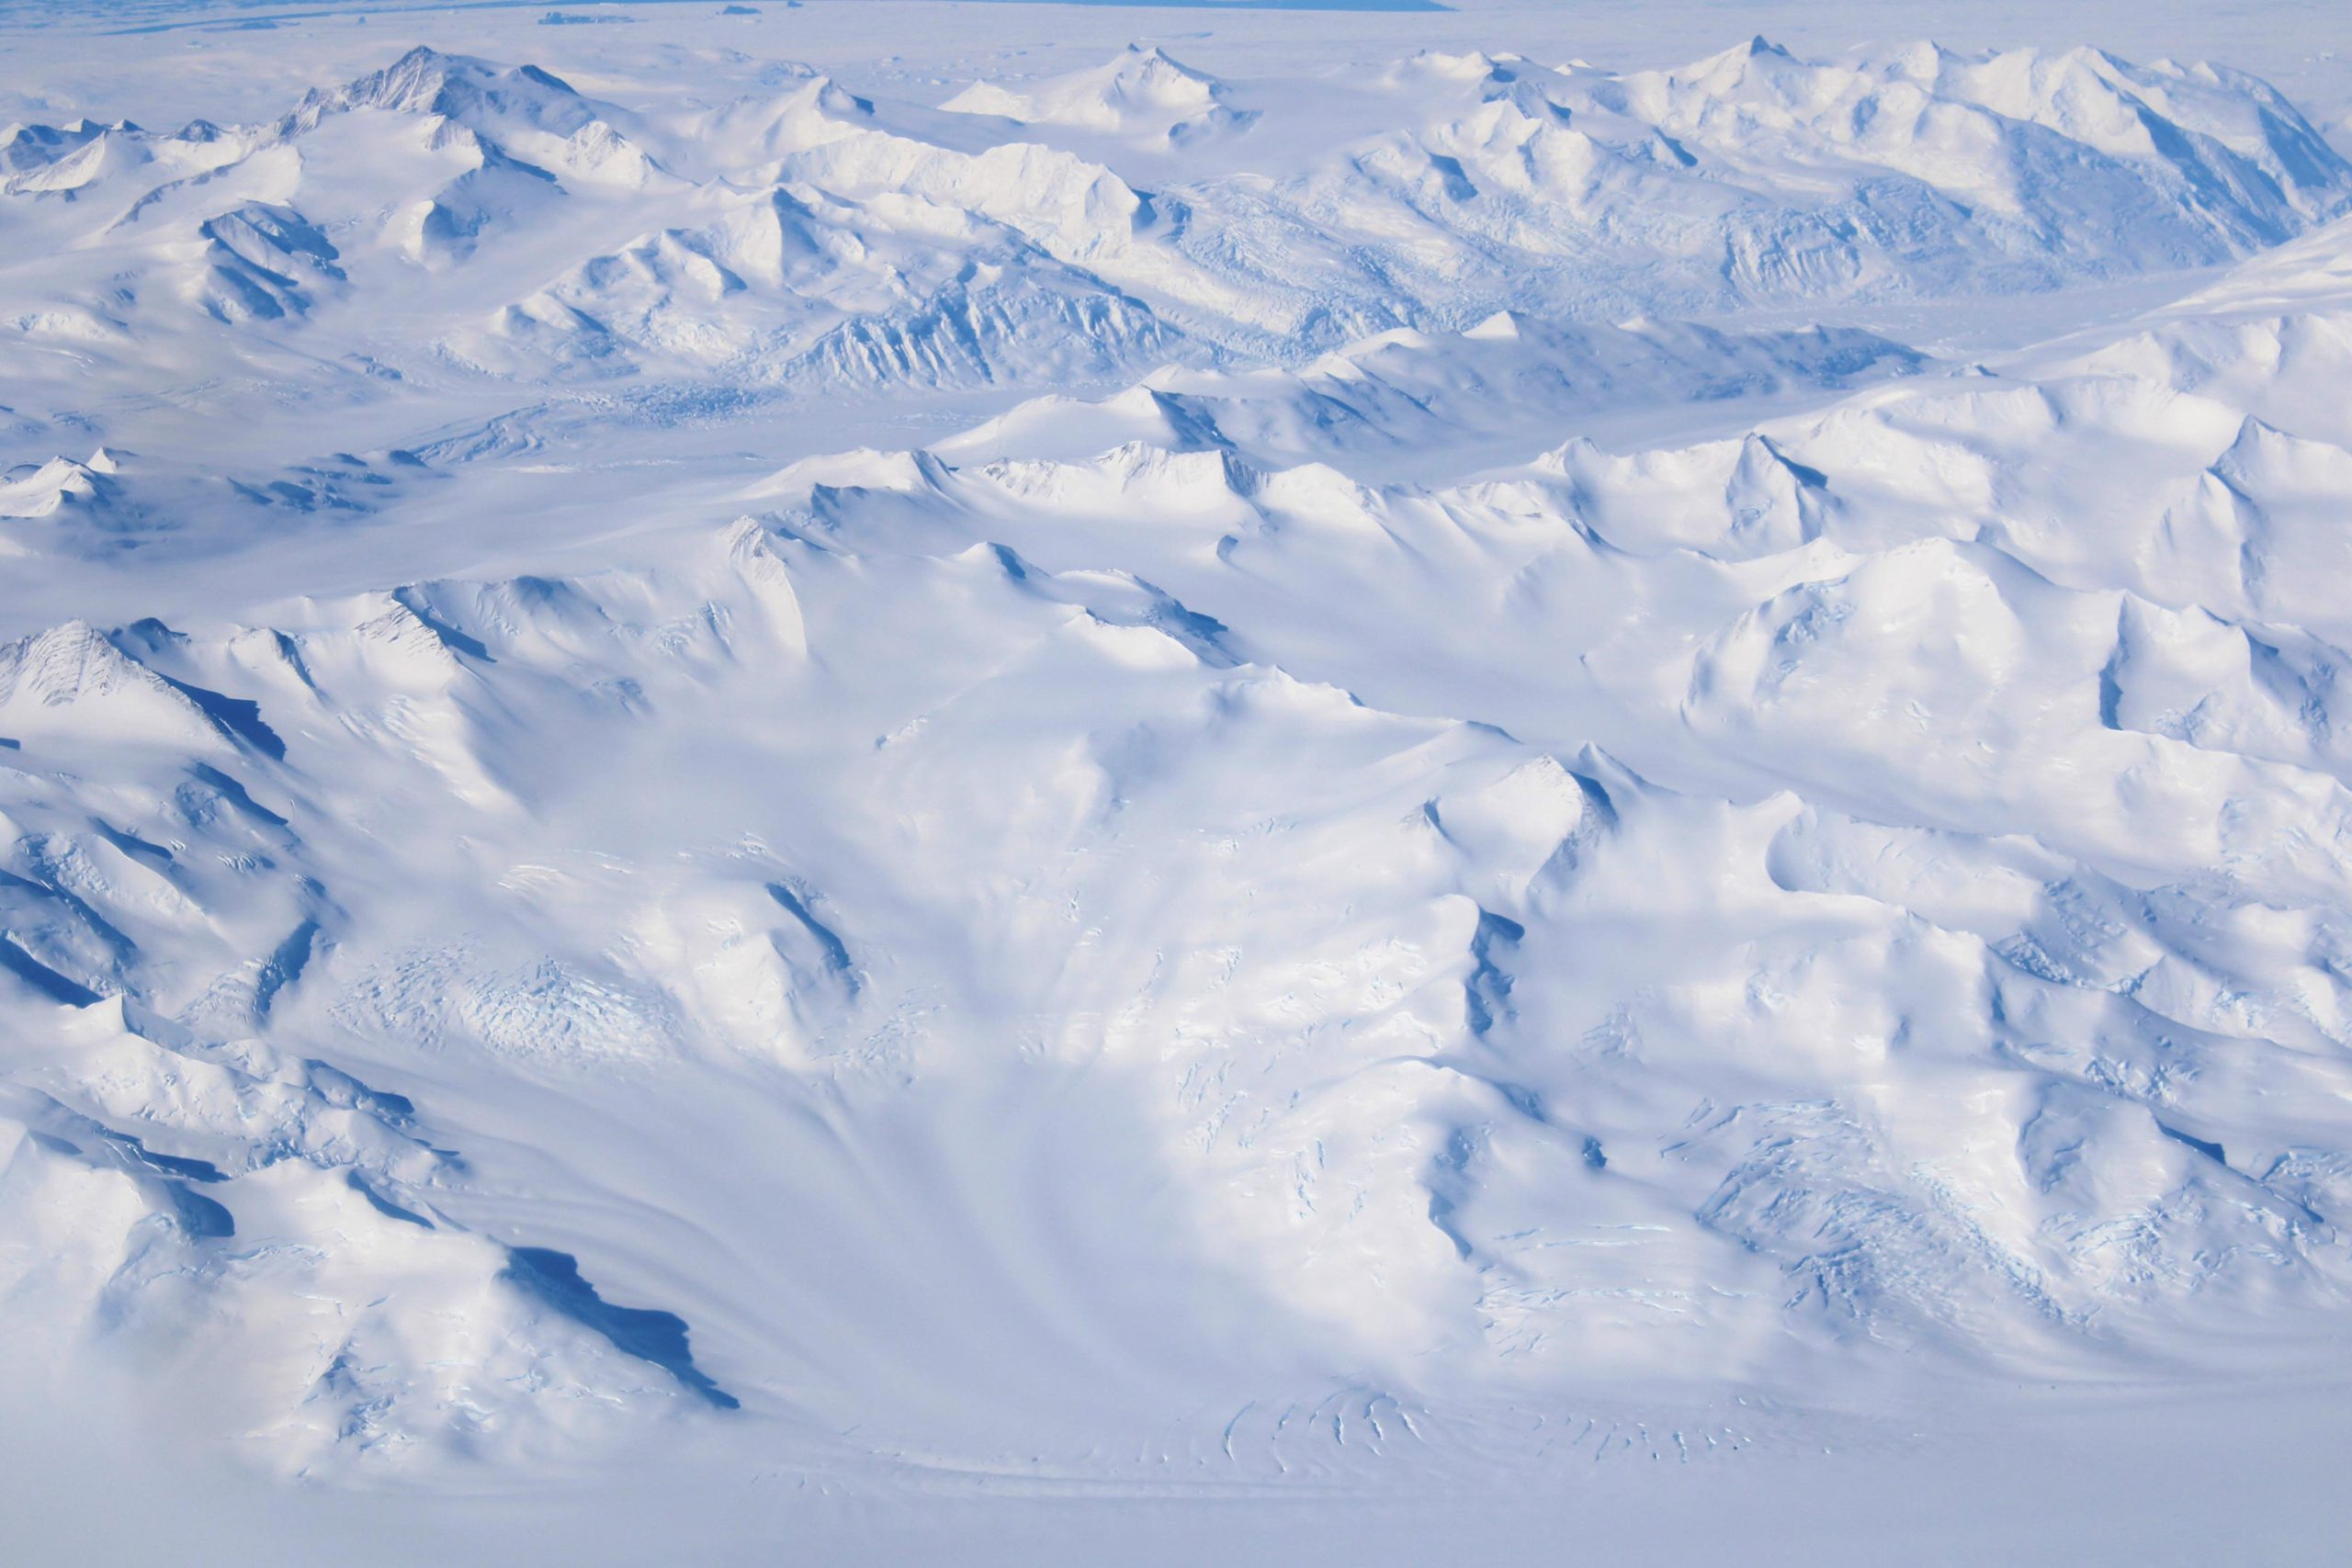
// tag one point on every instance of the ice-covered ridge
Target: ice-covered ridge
(1474, 397)
(2010, 132)
(1755, 176)
(943, 243)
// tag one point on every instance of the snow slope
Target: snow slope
(733, 811)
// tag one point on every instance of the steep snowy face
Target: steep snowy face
(858, 782)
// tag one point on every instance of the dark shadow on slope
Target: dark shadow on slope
(1486, 993)
(1451, 1170)
(162, 1179)
(201, 1218)
(836, 952)
(657, 1337)
(2205, 1146)
(179, 1166)
(240, 716)
(463, 642)
(285, 965)
(382, 1205)
(235, 794)
(342, 1090)
(42, 978)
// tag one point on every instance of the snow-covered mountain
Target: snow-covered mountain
(1143, 94)
(714, 780)
(522, 229)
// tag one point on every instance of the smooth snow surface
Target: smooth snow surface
(903, 783)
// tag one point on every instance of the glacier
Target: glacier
(909, 783)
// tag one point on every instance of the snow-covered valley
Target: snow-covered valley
(1044, 791)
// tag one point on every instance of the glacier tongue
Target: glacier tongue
(724, 776)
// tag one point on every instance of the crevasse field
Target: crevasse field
(885, 781)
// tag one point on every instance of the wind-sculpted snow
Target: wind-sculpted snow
(858, 780)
